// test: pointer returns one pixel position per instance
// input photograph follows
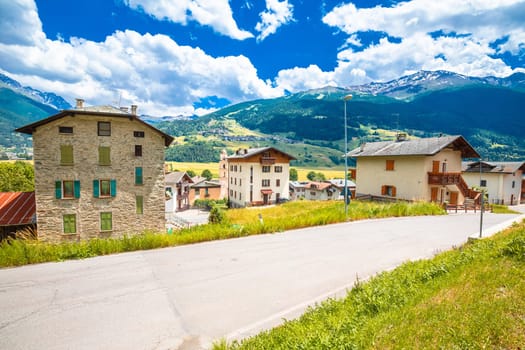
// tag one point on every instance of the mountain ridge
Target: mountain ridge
(309, 124)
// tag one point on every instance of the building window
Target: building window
(69, 223)
(104, 188)
(138, 150)
(278, 182)
(104, 129)
(278, 169)
(388, 191)
(66, 155)
(104, 155)
(106, 221)
(240, 182)
(206, 192)
(138, 176)
(138, 133)
(139, 204)
(67, 189)
(513, 184)
(65, 129)
(266, 168)
(266, 183)
(266, 154)
(389, 164)
(483, 183)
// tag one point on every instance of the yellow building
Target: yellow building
(426, 169)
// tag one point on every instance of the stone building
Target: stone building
(99, 172)
(258, 176)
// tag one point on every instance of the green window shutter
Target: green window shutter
(104, 155)
(77, 188)
(106, 221)
(139, 201)
(138, 176)
(70, 223)
(113, 186)
(96, 189)
(58, 189)
(66, 154)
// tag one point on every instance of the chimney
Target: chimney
(80, 103)
(134, 109)
(401, 136)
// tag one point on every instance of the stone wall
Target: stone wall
(85, 168)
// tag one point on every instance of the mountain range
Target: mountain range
(488, 112)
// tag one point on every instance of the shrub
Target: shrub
(217, 216)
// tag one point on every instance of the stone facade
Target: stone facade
(135, 148)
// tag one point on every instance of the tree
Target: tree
(17, 177)
(313, 176)
(207, 174)
(293, 174)
(191, 173)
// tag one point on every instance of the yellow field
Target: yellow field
(196, 167)
(328, 173)
(214, 168)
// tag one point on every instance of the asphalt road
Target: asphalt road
(186, 297)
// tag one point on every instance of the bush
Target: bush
(217, 216)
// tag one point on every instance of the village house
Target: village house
(99, 172)
(501, 181)
(258, 176)
(427, 169)
(313, 190)
(177, 191)
(205, 189)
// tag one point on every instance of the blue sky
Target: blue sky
(174, 57)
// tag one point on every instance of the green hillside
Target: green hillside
(17, 110)
(491, 118)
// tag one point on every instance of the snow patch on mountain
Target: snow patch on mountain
(47, 98)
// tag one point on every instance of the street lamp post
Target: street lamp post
(481, 203)
(346, 98)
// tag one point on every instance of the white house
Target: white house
(258, 176)
(501, 181)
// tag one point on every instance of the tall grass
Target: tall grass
(472, 297)
(238, 223)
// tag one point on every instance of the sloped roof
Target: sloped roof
(249, 152)
(206, 184)
(97, 111)
(417, 147)
(493, 167)
(176, 177)
(17, 208)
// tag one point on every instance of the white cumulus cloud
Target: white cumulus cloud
(153, 71)
(216, 14)
(277, 14)
(460, 36)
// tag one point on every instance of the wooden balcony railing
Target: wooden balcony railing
(268, 160)
(445, 179)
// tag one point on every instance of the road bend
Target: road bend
(186, 297)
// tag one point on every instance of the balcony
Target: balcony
(445, 179)
(267, 160)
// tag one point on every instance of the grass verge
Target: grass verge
(472, 297)
(237, 223)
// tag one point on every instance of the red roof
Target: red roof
(17, 208)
